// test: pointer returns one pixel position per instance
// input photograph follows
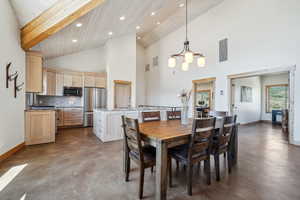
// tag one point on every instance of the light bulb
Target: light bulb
(172, 62)
(185, 66)
(189, 57)
(201, 61)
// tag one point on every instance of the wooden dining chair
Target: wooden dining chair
(151, 116)
(221, 143)
(142, 155)
(196, 151)
(173, 115)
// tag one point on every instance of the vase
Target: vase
(184, 115)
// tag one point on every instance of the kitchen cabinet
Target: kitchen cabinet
(72, 80)
(89, 81)
(100, 82)
(67, 80)
(40, 126)
(76, 81)
(34, 73)
(59, 84)
(94, 80)
(73, 116)
(60, 117)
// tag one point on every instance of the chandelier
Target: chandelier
(187, 54)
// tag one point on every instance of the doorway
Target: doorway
(264, 97)
(122, 93)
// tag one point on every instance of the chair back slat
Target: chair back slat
(151, 116)
(202, 132)
(228, 125)
(173, 115)
(132, 137)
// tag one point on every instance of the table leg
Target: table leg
(161, 171)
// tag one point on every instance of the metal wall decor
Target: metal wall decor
(13, 77)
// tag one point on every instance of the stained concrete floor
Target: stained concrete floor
(80, 167)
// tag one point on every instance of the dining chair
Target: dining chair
(197, 150)
(173, 115)
(221, 143)
(142, 155)
(151, 116)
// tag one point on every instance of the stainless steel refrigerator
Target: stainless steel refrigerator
(93, 98)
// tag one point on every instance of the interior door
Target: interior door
(122, 95)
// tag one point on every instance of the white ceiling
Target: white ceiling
(27, 10)
(106, 18)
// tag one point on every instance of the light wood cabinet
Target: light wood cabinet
(76, 81)
(60, 117)
(50, 83)
(68, 80)
(94, 79)
(89, 81)
(73, 116)
(59, 84)
(100, 82)
(40, 126)
(34, 74)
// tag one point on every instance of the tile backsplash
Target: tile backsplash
(60, 101)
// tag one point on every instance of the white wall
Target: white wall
(121, 65)
(270, 80)
(11, 109)
(248, 111)
(140, 75)
(92, 60)
(261, 35)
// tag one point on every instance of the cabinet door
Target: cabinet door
(67, 80)
(89, 81)
(59, 84)
(51, 84)
(34, 74)
(100, 82)
(60, 116)
(76, 81)
(40, 127)
(73, 116)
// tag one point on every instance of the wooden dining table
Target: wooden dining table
(167, 134)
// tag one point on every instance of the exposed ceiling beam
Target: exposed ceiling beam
(61, 14)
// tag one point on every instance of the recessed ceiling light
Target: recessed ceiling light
(122, 18)
(138, 37)
(181, 5)
(78, 25)
(153, 13)
(110, 33)
(74, 40)
(158, 23)
(138, 27)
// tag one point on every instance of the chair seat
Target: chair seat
(181, 153)
(149, 155)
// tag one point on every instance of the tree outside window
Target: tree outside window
(277, 97)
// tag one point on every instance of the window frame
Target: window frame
(267, 98)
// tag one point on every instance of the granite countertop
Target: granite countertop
(128, 109)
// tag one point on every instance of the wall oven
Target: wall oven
(73, 91)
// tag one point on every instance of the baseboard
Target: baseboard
(296, 143)
(266, 121)
(249, 123)
(12, 151)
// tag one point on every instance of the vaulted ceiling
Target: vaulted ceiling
(96, 25)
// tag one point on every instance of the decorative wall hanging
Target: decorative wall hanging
(17, 87)
(9, 77)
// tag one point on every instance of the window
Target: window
(277, 97)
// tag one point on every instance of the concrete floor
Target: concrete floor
(80, 167)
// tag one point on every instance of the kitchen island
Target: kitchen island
(107, 123)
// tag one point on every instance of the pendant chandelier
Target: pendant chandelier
(187, 54)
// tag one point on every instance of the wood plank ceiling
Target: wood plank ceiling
(106, 18)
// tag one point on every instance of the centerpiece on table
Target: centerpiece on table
(185, 96)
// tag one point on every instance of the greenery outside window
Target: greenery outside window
(277, 97)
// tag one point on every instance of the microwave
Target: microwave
(73, 91)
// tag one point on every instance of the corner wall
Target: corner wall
(11, 109)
